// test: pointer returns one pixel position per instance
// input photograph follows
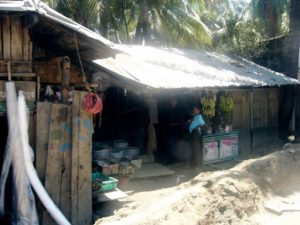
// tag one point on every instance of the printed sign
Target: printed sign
(228, 147)
(211, 151)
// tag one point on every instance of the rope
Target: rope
(84, 80)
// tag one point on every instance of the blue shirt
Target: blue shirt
(197, 121)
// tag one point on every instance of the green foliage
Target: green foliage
(85, 12)
(241, 38)
(166, 22)
(271, 15)
(182, 27)
(213, 24)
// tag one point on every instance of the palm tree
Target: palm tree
(173, 21)
(168, 22)
(85, 12)
(116, 18)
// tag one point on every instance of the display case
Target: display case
(219, 147)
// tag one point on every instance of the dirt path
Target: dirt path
(236, 196)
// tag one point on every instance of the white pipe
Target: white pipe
(24, 201)
(30, 170)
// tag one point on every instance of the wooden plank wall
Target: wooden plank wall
(265, 118)
(42, 137)
(15, 40)
(241, 119)
(264, 122)
(49, 72)
(265, 108)
(63, 158)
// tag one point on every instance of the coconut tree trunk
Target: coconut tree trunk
(272, 19)
(104, 26)
(125, 20)
(143, 25)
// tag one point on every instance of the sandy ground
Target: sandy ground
(236, 196)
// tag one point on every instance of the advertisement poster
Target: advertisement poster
(228, 147)
(211, 151)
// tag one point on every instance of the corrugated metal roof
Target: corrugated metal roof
(44, 10)
(181, 68)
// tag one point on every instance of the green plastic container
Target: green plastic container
(107, 183)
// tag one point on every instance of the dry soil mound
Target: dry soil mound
(223, 197)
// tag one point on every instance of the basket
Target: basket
(107, 183)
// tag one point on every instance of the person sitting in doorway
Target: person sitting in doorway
(195, 130)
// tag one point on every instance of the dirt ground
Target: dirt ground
(235, 196)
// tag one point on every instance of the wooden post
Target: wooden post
(8, 71)
(65, 72)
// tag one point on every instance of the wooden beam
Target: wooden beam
(17, 66)
(20, 75)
